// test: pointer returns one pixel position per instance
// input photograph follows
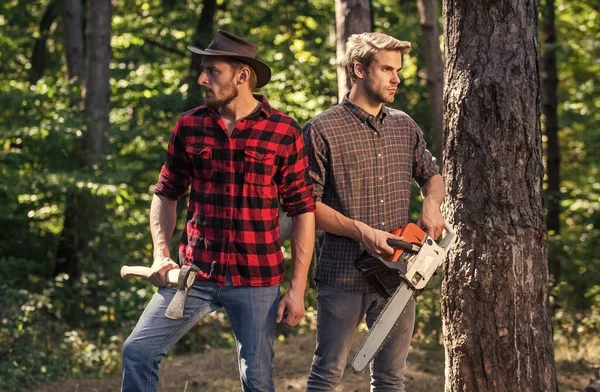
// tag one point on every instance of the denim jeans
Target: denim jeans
(339, 312)
(251, 310)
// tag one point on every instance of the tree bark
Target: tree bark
(39, 53)
(351, 17)
(73, 30)
(434, 66)
(497, 329)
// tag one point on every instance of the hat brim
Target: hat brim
(262, 70)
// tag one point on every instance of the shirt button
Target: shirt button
(381, 200)
(380, 178)
(227, 213)
(378, 155)
(382, 223)
(227, 189)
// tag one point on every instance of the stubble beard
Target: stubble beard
(376, 95)
(230, 93)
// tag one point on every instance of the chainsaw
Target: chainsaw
(399, 277)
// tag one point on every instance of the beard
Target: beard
(377, 95)
(224, 98)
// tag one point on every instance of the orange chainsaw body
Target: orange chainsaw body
(410, 233)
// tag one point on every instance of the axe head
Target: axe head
(187, 277)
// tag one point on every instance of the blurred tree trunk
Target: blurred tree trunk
(550, 111)
(39, 52)
(434, 66)
(80, 211)
(351, 17)
(97, 96)
(494, 172)
(73, 30)
(201, 38)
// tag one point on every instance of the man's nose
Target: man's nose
(203, 78)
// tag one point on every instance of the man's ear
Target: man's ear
(359, 71)
(243, 76)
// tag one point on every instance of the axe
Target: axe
(183, 277)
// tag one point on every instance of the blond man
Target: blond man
(363, 157)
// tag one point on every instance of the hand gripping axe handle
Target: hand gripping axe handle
(183, 277)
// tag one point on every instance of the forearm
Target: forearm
(332, 221)
(303, 242)
(434, 191)
(163, 218)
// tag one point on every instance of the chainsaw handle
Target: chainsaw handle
(400, 244)
(448, 238)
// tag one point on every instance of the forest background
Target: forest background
(75, 209)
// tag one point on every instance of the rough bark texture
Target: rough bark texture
(434, 66)
(351, 17)
(550, 111)
(73, 28)
(494, 294)
(97, 97)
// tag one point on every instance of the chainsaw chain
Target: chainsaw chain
(373, 327)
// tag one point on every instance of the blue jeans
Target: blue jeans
(339, 312)
(253, 315)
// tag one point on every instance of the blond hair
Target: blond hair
(360, 48)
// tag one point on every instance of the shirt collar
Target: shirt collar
(362, 114)
(263, 109)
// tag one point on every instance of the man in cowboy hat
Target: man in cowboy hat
(240, 156)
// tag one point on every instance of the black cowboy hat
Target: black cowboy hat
(228, 45)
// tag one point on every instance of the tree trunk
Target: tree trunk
(434, 66)
(201, 39)
(80, 208)
(351, 17)
(39, 53)
(550, 111)
(498, 334)
(73, 28)
(97, 97)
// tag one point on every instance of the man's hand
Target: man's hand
(375, 241)
(431, 219)
(291, 307)
(160, 267)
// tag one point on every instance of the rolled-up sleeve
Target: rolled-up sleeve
(174, 178)
(424, 164)
(295, 187)
(317, 158)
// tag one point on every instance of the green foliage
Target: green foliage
(578, 246)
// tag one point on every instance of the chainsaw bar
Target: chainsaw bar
(381, 328)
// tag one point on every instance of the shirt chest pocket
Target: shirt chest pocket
(201, 158)
(259, 166)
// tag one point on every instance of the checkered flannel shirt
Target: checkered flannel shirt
(236, 184)
(362, 166)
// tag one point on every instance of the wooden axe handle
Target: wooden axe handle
(143, 272)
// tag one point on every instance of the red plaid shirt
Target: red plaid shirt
(236, 184)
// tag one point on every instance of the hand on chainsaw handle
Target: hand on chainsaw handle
(291, 307)
(431, 219)
(375, 241)
(159, 269)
